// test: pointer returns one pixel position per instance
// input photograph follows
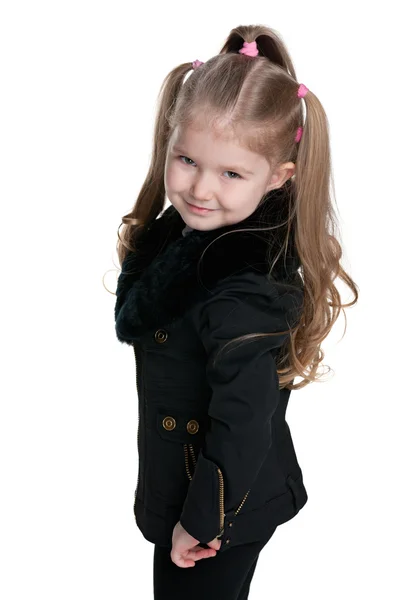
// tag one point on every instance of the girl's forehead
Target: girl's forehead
(215, 132)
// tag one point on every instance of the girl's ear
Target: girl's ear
(280, 176)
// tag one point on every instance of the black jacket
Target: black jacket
(215, 450)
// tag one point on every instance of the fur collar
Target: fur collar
(161, 280)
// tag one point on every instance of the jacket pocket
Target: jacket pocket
(178, 436)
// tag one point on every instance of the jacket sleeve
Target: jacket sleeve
(244, 394)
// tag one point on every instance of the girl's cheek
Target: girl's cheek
(169, 179)
(176, 180)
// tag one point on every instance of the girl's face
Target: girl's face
(209, 172)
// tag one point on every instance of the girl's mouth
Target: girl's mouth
(198, 210)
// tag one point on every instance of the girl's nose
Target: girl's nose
(201, 189)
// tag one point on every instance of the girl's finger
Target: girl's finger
(180, 561)
(199, 553)
(188, 560)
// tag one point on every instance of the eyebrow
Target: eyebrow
(232, 168)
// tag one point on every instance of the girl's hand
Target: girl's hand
(185, 551)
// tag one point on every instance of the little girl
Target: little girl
(225, 297)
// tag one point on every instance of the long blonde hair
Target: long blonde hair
(259, 96)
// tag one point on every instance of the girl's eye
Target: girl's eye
(236, 174)
(184, 158)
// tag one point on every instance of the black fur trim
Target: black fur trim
(160, 281)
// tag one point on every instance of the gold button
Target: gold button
(161, 336)
(229, 524)
(228, 541)
(192, 426)
(169, 423)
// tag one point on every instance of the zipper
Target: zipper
(191, 449)
(137, 358)
(242, 502)
(221, 503)
(137, 482)
(221, 487)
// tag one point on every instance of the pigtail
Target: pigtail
(151, 198)
(317, 240)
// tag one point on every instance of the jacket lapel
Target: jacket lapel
(162, 280)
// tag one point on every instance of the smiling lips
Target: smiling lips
(198, 209)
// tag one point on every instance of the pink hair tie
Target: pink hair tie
(298, 134)
(301, 92)
(196, 63)
(249, 48)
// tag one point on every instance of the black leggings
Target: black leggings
(225, 576)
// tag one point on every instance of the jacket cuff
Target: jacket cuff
(203, 510)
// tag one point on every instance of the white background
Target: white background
(78, 90)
